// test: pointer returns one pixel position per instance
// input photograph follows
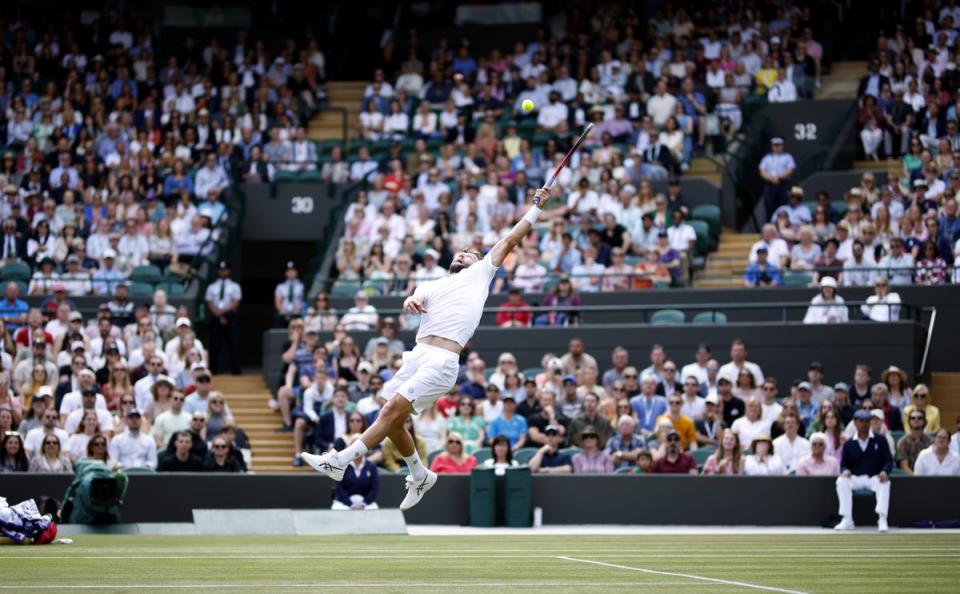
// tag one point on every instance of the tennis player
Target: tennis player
(450, 310)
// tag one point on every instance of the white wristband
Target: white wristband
(532, 215)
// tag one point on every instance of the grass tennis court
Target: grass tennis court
(737, 563)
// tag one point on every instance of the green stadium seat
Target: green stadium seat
(898, 472)
(138, 290)
(523, 455)
(482, 455)
(433, 455)
(710, 214)
(667, 317)
(570, 451)
(896, 435)
(838, 208)
(311, 176)
(283, 176)
(488, 373)
(797, 279)
(710, 317)
(146, 274)
(624, 470)
(173, 288)
(532, 372)
(343, 288)
(15, 271)
(703, 236)
(811, 206)
(138, 471)
(375, 286)
(701, 455)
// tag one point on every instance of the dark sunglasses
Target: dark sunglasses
(455, 441)
(56, 443)
(127, 401)
(100, 443)
(177, 399)
(913, 418)
(673, 438)
(203, 379)
(220, 447)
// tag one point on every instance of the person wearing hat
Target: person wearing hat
(797, 213)
(899, 393)
(430, 269)
(549, 459)
(776, 168)
(865, 463)
(762, 273)
(590, 417)
(509, 423)
(827, 307)
(182, 327)
(816, 463)
(591, 459)
(288, 296)
(763, 461)
(131, 448)
(108, 275)
(223, 299)
(44, 278)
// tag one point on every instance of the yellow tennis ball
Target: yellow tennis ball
(527, 106)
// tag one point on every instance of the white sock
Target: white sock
(417, 470)
(355, 450)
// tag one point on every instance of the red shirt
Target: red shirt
(518, 313)
(447, 406)
(24, 336)
(684, 464)
(443, 463)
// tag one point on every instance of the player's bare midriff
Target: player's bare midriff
(443, 343)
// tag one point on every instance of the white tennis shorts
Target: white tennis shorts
(427, 373)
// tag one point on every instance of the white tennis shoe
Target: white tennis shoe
(417, 489)
(325, 464)
(845, 524)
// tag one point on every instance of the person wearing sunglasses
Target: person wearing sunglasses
(49, 425)
(453, 458)
(921, 402)
(674, 460)
(915, 441)
(98, 449)
(221, 460)
(172, 420)
(50, 459)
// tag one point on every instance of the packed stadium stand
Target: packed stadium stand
(693, 224)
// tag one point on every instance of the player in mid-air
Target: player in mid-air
(450, 310)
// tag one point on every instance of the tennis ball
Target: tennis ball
(527, 106)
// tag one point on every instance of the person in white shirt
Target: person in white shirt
(681, 235)
(132, 449)
(362, 316)
(751, 425)
(661, 105)
(582, 201)
(938, 460)
(883, 305)
(898, 264)
(826, 307)
(763, 461)
(778, 252)
(530, 276)
(211, 177)
(90, 401)
(172, 420)
(859, 268)
(791, 447)
(73, 401)
(694, 406)
(771, 408)
(141, 389)
(553, 115)
(307, 415)
(698, 368)
(33, 442)
(304, 153)
(588, 275)
(429, 270)
(738, 356)
(783, 90)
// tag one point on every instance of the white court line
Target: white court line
(888, 554)
(315, 585)
(685, 575)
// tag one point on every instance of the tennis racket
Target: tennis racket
(566, 159)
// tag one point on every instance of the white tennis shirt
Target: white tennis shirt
(455, 302)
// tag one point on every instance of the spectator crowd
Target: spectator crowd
(450, 159)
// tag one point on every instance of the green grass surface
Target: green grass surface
(831, 563)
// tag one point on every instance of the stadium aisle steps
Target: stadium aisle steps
(843, 80)
(945, 395)
(730, 257)
(328, 125)
(706, 169)
(247, 396)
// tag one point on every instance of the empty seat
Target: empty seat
(15, 271)
(710, 317)
(146, 274)
(665, 317)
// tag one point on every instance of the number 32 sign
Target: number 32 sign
(805, 131)
(301, 204)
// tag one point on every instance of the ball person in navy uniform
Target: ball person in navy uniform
(223, 303)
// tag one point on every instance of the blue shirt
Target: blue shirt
(647, 412)
(778, 164)
(755, 272)
(871, 461)
(213, 210)
(808, 412)
(12, 310)
(513, 428)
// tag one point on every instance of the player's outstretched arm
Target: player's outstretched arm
(503, 247)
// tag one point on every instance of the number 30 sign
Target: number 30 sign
(301, 204)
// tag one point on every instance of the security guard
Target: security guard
(288, 296)
(223, 302)
(776, 169)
